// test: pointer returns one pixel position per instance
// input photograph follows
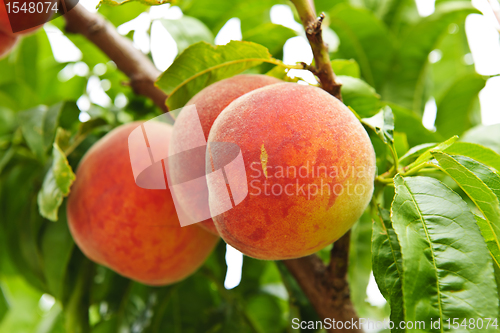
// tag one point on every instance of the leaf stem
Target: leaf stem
(78, 139)
(395, 166)
(418, 168)
(424, 167)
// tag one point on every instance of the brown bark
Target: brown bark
(322, 68)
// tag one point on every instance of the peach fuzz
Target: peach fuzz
(209, 104)
(310, 168)
(131, 230)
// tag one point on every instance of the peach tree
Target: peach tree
(430, 235)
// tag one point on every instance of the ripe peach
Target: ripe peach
(133, 231)
(309, 164)
(209, 104)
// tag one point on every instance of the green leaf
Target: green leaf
(346, 67)
(408, 78)
(264, 311)
(56, 248)
(187, 31)
(417, 151)
(364, 38)
(397, 13)
(39, 127)
(202, 64)
(118, 15)
(215, 13)
(4, 305)
(483, 187)
(452, 46)
(490, 238)
(27, 64)
(52, 321)
(21, 220)
(401, 143)
(5, 157)
(121, 2)
(360, 264)
(410, 123)
(360, 96)
(78, 281)
(326, 5)
(280, 72)
(447, 272)
(24, 314)
(299, 304)
(211, 12)
(56, 185)
(106, 326)
(7, 120)
(383, 124)
(387, 264)
(488, 136)
(427, 155)
(489, 177)
(475, 151)
(88, 126)
(272, 36)
(454, 107)
(63, 138)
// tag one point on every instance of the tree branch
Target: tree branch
(128, 59)
(326, 287)
(323, 67)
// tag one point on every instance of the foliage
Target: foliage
(430, 236)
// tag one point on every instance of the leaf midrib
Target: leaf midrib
(432, 251)
(393, 252)
(473, 200)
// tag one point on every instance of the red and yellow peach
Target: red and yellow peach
(131, 230)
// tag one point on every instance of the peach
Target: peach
(132, 230)
(209, 104)
(309, 164)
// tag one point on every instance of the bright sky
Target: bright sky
(481, 30)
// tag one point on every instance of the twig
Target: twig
(326, 286)
(128, 59)
(323, 68)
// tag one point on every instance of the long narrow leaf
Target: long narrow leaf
(483, 187)
(447, 272)
(387, 265)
